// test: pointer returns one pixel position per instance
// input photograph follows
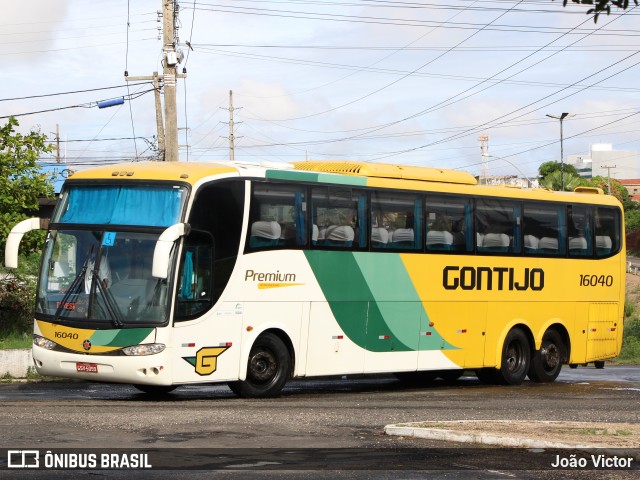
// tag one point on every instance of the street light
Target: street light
(561, 117)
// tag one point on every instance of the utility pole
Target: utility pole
(608, 167)
(561, 117)
(167, 134)
(169, 73)
(159, 124)
(231, 127)
(231, 143)
(57, 143)
(484, 149)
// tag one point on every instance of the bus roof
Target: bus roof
(334, 172)
(387, 170)
(170, 171)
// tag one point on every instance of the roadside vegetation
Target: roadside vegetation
(17, 299)
(631, 341)
(22, 184)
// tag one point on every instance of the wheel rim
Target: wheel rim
(550, 357)
(263, 366)
(515, 357)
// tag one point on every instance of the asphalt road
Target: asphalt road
(320, 426)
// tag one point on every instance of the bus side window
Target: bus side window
(545, 231)
(448, 222)
(396, 221)
(499, 226)
(607, 228)
(580, 231)
(195, 286)
(339, 215)
(277, 217)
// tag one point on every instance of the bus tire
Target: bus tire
(268, 369)
(156, 389)
(546, 363)
(515, 358)
(598, 364)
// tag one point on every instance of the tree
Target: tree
(549, 167)
(632, 220)
(21, 182)
(601, 6)
(617, 190)
(553, 181)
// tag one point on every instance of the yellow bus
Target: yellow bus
(166, 274)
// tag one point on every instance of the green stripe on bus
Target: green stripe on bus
(377, 314)
(314, 177)
(120, 338)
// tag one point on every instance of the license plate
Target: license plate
(86, 367)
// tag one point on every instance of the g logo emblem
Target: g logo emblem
(206, 359)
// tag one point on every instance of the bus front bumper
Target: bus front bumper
(145, 369)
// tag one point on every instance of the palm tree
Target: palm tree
(553, 181)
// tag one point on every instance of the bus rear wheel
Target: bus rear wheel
(268, 369)
(515, 358)
(547, 362)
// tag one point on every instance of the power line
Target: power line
(81, 105)
(126, 74)
(404, 76)
(393, 21)
(44, 95)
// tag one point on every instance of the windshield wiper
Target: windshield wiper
(112, 307)
(76, 282)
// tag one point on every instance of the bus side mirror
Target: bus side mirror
(15, 236)
(162, 252)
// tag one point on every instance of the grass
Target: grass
(14, 340)
(32, 375)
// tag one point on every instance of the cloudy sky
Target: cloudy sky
(411, 82)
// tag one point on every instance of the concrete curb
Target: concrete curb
(407, 430)
(15, 362)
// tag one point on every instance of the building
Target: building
(511, 180)
(633, 187)
(602, 160)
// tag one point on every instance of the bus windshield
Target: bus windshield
(101, 277)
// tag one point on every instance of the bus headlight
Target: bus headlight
(147, 349)
(44, 343)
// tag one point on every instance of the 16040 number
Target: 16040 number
(596, 280)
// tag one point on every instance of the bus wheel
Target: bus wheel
(547, 362)
(515, 358)
(156, 389)
(598, 364)
(268, 368)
